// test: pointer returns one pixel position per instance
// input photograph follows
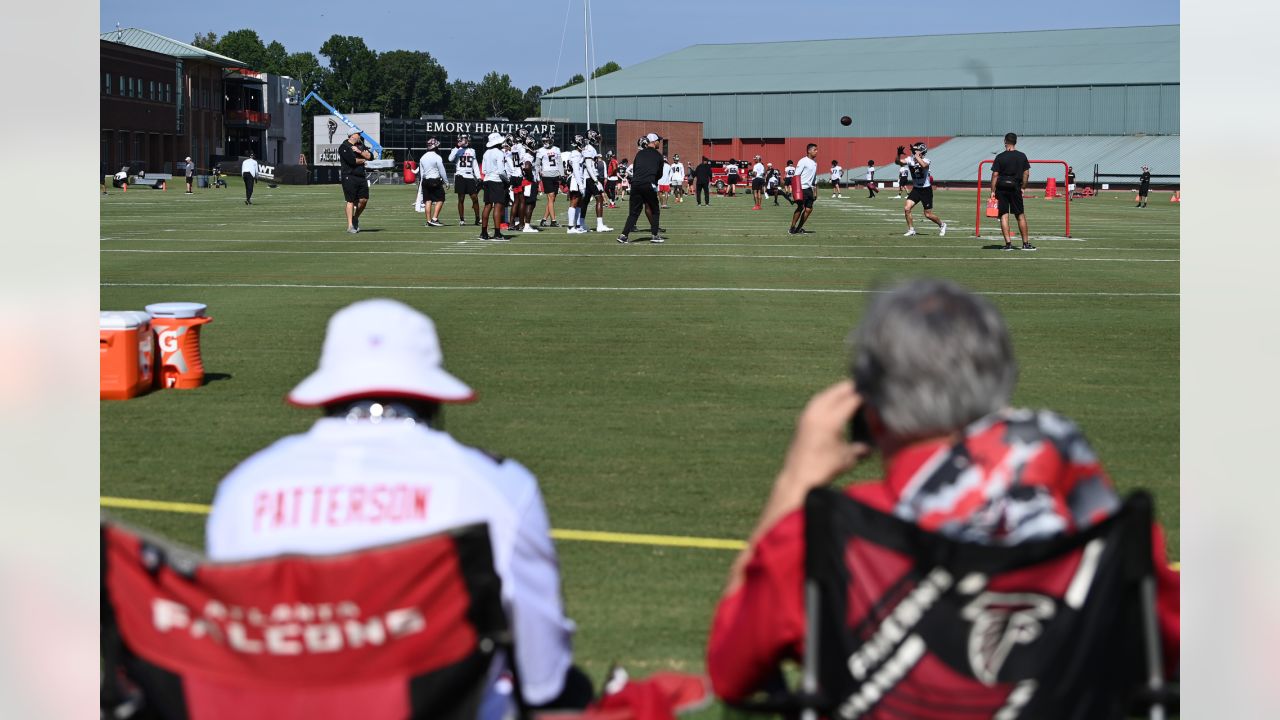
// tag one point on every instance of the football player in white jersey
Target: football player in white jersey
(921, 187)
(466, 180)
(757, 173)
(573, 170)
(550, 165)
(592, 182)
(677, 178)
(837, 174)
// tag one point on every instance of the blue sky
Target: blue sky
(469, 44)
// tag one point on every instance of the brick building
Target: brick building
(161, 100)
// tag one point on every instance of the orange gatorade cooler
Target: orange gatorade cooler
(126, 354)
(177, 329)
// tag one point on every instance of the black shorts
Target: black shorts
(835, 184)
(465, 185)
(495, 192)
(589, 190)
(922, 196)
(1010, 200)
(433, 190)
(532, 198)
(757, 183)
(1142, 189)
(807, 198)
(733, 179)
(904, 181)
(355, 188)
(551, 185)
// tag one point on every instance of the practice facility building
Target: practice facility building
(1096, 86)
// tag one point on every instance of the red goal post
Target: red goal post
(984, 190)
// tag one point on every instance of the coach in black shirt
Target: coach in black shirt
(355, 185)
(1009, 175)
(645, 171)
(1144, 186)
(702, 180)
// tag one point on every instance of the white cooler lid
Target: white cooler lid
(177, 309)
(122, 319)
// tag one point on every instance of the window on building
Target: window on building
(106, 83)
(151, 89)
(168, 92)
(121, 79)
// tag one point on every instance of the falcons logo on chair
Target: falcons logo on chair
(1001, 621)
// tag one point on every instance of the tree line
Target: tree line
(397, 83)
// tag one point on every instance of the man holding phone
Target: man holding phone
(355, 181)
(932, 373)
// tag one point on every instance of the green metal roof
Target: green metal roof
(1098, 56)
(147, 40)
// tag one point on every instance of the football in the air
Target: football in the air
(846, 120)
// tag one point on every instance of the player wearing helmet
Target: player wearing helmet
(573, 170)
(431, 175)
(917, 166)
(465, 180)
(550, 168)
(592, 182)
(611, 179)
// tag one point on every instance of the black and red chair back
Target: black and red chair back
(904, 623)
(410, 630)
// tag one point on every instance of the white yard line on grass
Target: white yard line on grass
(964, 243)
(534, 288)
(988, 257)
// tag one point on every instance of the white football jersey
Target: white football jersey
(549, 161)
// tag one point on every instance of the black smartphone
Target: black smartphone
(859, 432)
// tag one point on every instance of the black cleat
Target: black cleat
(1028, 247)
(624, 239)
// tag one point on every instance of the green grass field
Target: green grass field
(652, 389)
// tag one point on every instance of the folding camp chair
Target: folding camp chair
(903, 623)
(410, 630)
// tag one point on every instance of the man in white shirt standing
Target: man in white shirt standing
(871, 179)
(837, 174)
(757, 182)
(377, 470)
(493, 167)
(431, 175)
(551, 168)
(664, 182)
(249, 171)
(921, 187)
(465, 182)
(677, 178)
(807, 176)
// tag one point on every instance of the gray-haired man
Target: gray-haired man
(933, 373)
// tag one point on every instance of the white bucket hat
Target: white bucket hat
(380, 348)
(496, 139)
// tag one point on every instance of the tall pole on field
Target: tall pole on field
(586, 59)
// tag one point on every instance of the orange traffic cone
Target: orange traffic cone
(1177, 196)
